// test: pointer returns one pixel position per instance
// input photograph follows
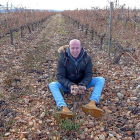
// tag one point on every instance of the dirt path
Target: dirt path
(27, 105)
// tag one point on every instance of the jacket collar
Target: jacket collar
(78, 58)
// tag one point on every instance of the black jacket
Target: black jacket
(69, 74)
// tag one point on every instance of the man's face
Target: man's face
(75, 49)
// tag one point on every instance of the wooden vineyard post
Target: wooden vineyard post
(122, 13)
(101, 41)
(78, 24)
(110, 24)
(29, 29)
(33, 27)
(82, 27)
(11, 35)
(92, 34)
(21, 31)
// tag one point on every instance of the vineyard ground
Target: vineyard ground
(27, 105)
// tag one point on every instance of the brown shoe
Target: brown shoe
(65, 113)
(91, 109)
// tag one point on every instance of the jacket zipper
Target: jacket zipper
(76, 72)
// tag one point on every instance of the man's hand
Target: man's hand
(74, 89)
(81, 89)
(77, 89)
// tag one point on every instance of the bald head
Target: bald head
(75, 42)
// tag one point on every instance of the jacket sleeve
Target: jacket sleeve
(61, 75)
(88, 73)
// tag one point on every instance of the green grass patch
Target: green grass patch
(1, 95)
(70, 125)
(63, 32)
(16, 33)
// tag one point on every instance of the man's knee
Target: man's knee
(52, 84)
(102, 80)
